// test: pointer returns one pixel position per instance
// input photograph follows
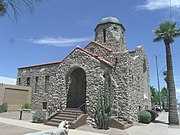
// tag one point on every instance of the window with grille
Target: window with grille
(28, 81)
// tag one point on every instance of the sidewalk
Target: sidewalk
(34, 128)
(159, 127)
(11, 125)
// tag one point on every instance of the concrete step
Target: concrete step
(70, 114)
(120, 123)
(128, 126)
(51, 123)
(72, 111)
(63, 118)
(66, 115)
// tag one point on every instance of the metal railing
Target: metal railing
(79, 108)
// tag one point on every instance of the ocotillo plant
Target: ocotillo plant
(104, 105)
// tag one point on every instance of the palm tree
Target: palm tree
(165, 79)
(166, 32)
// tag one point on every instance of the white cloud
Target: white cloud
(7, 80)
(59, 42)
(160, 4)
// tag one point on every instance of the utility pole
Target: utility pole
(159, 91)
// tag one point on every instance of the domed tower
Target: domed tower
(110, 32)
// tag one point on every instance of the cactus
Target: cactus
(104, 105)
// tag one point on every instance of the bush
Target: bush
(39, 116)
(144, 117)
(27, 106)
(154, 114)
(3, 107)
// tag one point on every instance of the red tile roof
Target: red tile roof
(132, 51)
(38, 65)
(97, 57)
(92, 54)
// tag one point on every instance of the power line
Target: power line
(170, 13)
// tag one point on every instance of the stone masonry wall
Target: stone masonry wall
(93, 70)
(115, 38)
(100, 51)
(39, 95)
(129, 74)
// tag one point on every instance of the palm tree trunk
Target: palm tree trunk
(173, 115)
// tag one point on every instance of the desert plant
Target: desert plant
(144, 116)
(39, 116)
(27, 106)
(104, 105)
(3, 107)
(154, 115)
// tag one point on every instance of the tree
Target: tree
(15, 6)
(165, 79)
(154, 96)
(166, 32)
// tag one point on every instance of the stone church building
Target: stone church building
(75, 80)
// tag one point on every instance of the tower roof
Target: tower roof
(109, 20)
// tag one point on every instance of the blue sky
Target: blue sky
(58, 26)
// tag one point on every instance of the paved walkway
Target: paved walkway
(34, 127)
(159, 127)
(9, 124)
(13, 126)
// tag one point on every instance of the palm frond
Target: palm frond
(3, 8)
(14, 7)
(166, 31)
(157, 39)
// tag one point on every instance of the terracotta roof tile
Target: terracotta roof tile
(132, 51)
(58, 62)
(97, 57)
(38, 65)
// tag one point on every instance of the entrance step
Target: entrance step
(74, 116)
(120, 123)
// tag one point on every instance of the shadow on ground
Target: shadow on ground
(158, 121)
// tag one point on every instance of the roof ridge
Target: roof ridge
(96, 56)
(58, 62)
(102, 46)
(43, 64)
(131, 51)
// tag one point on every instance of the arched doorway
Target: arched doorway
(76, 87)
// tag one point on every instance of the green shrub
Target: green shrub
(27, 106)
(3, 107)
(153, 114)
(144, 117)
(39, 116)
